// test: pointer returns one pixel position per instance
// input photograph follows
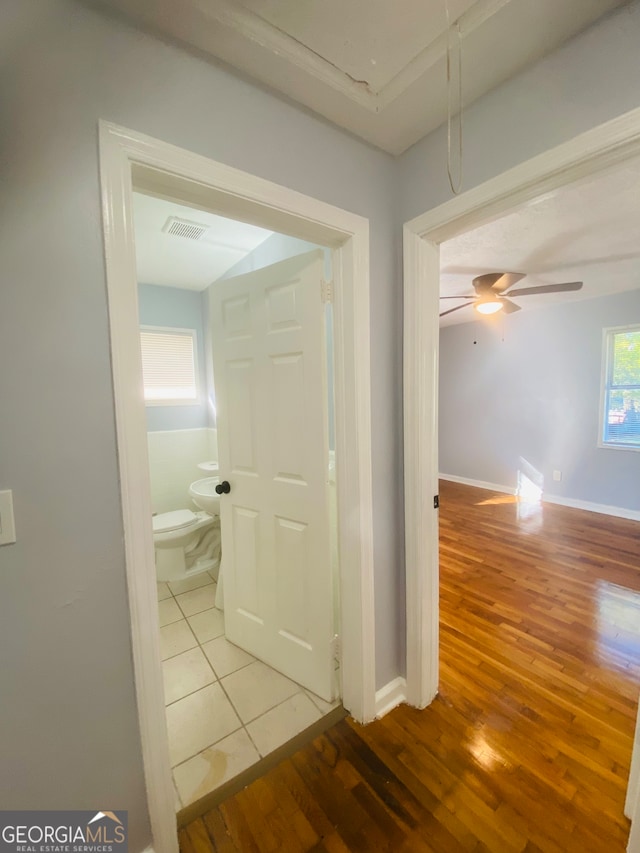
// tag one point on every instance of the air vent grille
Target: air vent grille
(183, 228)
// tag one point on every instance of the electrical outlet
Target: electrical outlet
(7, 522)
(557, 476)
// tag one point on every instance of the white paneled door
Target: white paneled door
(271, 395)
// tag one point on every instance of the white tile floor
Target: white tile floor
(225, 709)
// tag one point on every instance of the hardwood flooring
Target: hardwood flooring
(527, 746)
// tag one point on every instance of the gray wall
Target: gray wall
(590, 80)
(528, 388)
(69, 729)
(175, 308)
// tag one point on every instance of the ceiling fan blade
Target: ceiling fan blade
(497, 282)
(459, 297)
(547, 288)
(507, 280)
(508, 306)
(457, 308)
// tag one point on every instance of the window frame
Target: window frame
(608, 336)
(175, 330)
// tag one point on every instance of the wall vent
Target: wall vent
(184, 228)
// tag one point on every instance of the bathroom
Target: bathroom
(226, 709)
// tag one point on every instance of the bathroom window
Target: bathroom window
(169, 366)
(621, 388)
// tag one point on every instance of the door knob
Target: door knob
(223, 488)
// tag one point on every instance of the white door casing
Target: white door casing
(633, 790)
(128, 159)
(269, 360)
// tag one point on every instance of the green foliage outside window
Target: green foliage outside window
(622, 391)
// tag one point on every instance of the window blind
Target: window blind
(168, 365)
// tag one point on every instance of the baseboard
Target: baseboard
(390, 695)
(478, 484)
(603, 509)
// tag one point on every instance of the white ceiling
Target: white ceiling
(368, 40)
(175, 261)
(588, 231)
(373, 67)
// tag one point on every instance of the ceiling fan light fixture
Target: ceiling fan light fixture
(488, 306)
(493, 289)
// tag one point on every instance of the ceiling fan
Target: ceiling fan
(493, 288)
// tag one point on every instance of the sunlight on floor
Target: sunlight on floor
(530, 482)
(485, 754)
(618, 624)
(527, 500)
(499, 499)
(530, 515)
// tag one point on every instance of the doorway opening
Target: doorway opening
(597, 152)
(133, 162)
(535, 491)
(236, 333)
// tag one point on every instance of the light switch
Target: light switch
(7, 522)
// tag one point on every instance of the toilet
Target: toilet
(187, 543)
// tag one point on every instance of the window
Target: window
(621, 388)
(169, 366)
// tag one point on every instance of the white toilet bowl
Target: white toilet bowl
(186, 543)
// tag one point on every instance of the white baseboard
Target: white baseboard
(392, 694)
(603, 509)
(479, 484)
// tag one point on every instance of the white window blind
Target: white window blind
(621, 421)
(169, 365)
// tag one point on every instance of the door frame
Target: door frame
(596, 150)
(131, 160)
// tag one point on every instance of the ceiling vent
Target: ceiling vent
(184, 228)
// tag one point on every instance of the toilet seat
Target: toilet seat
(178, 519)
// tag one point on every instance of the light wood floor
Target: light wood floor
(526, 747)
